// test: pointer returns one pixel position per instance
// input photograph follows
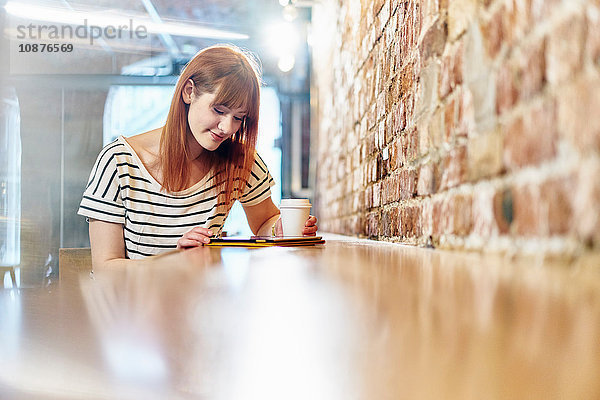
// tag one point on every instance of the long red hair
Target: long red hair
(234, 76)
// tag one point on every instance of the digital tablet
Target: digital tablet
(266, 241)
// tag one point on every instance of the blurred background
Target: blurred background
(109, 69)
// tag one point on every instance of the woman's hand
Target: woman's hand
(196, 236)
(310, 227)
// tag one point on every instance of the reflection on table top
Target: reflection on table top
(348, 320)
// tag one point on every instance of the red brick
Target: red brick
(426, 218)
(531, 75)
(425, 184)
(358, 201)
(557, 194)
(409, 106)
(389, 128)
(586, 211)
(369, 196)
(517, 20)
(386, 226)
(506, 90)
(406, 29)
(449, 120)
(381, 168)
(532, 138)
(437, 217)
(564, 55)
(460, 207)
(371, 143)
(593, 36)
(377, 194)
(357, 225)
(451, 72)
(493, 32)
(372, 224)
(484, 221)
(408, 183)
(371, 117)
(454, 167)
(395, 221)
(457, 64)
(503, 203)
(434, 40)
(374, 170)
(438, 172)
(377, 5)
(385, 190)
(452, 215)
(578, 116)
(527, 211)
(466, 113)
(542, 10)
(410, 142)
(444, 86)
(544, 209)
(395, 149)
(409, 221)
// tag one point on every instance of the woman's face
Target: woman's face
(211, 124)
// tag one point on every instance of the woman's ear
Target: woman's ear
(187, 92)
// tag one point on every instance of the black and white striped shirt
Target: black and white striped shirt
(121, 190)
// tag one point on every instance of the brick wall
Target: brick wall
(466, 124)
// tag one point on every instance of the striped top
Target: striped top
(121, 190)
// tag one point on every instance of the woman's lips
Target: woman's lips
(217, 137)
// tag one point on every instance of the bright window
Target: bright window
(10, 179)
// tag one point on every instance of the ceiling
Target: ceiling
(246, 17)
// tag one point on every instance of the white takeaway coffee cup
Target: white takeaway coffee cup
(294, 213)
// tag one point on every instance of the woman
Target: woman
(173, 187)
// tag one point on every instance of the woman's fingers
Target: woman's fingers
(312, 220)
(310, 230)
(186, 243)
(278, 228)
(201, 231)
(310, 227)
(196, 236)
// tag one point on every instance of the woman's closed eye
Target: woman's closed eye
(221, 112)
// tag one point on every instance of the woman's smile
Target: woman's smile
(216, 137)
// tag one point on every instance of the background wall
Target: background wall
(468, 124)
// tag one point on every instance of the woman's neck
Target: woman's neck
(195, 149)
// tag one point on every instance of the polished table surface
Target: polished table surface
(351, 319)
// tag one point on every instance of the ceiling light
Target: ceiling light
(286, 62)
(282, 37)
(290, 13)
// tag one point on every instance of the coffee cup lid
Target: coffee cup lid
(295, 203)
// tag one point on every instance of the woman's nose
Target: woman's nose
(226, 125)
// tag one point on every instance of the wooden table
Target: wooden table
(348, 320)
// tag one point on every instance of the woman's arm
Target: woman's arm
(262, 216)
(108, 244)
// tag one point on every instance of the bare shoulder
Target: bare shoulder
(146, 145)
